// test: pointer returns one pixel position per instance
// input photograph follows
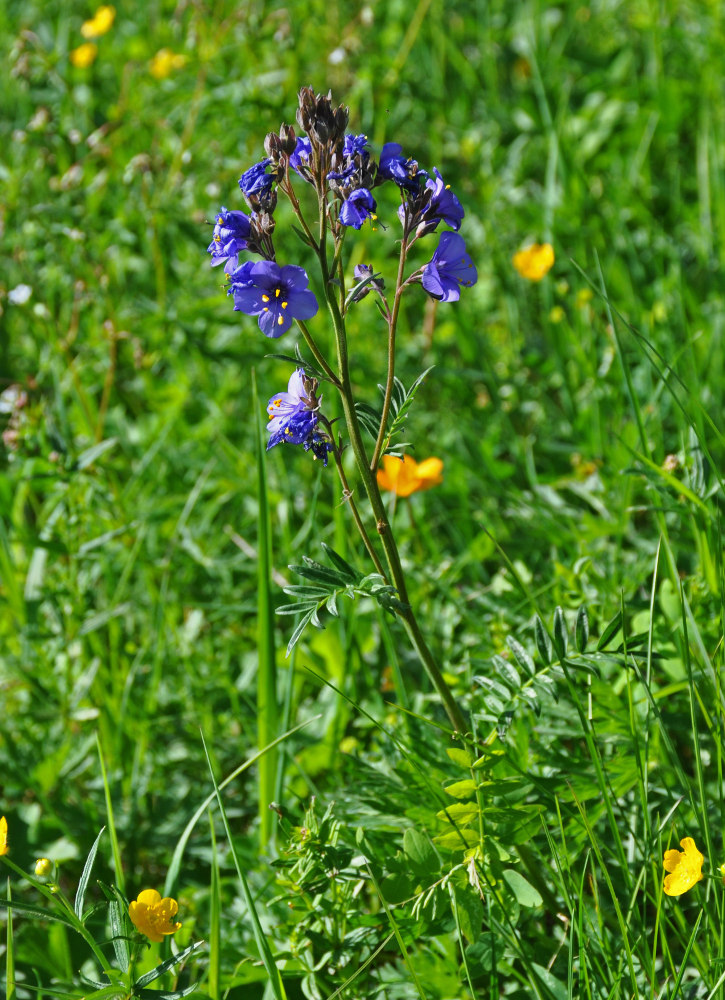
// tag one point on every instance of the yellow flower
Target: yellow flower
(100, 23)
(685, 868)
(84, 55)
(535, 261)
(153, 915)
(164, 62)
(3, 835)
(404, 477)
(43, 867)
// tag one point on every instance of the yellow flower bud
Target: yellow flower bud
(43, 867)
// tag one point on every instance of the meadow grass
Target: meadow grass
(568, 570)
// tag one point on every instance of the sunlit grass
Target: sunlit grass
(579, 419)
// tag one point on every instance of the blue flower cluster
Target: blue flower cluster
(293, 417)
(340, 164)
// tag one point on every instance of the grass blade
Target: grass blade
(275, 980)
(267, 708)
(85, 876)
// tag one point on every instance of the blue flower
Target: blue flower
(276, 294)
(256, 180)
(293, 417)
(302, 154)
(443, 204)
(449, 268)
(231, 233)
(357, 207)
(353, 144)
(393, 166)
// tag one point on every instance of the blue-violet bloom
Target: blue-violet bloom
(443, 203)
(276, 294)
(293, 417)
(302, 154)
(256, 179)
(353, 144)
(449, 268)
(393, 166)
(357, 208)
(231, 232)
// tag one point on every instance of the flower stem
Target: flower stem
(318, 355)
(347, 494)
(378, 508)
(390, 382)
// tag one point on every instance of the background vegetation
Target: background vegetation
(580, 421)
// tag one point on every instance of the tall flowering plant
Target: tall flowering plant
(340, 168)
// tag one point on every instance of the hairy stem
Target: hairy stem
(390, 381)
(373, 493)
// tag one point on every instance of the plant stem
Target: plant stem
(373, 493)
(318, 355)
(348, 498)
(392, 325)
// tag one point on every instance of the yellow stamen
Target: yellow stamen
(277, 292)
(284, 305)
(280, 321)
(265, 298)
(217, 239)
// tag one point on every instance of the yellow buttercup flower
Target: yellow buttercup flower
(153, 916)
(535, 261)
(3, 835)
(404, 477)
(685, 868)
(100, 23)
(164, 62)
(84, 55)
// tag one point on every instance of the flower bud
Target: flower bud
(43, 867)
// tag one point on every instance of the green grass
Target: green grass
(134, 590)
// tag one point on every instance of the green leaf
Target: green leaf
(85, 876)
(299, 362)
(312, 570)
(369, 418)
(462, 813)
(524, 892)
(560, 633)
(610, 631)
(581, 631)
(458, 756)
(456, 840)
(149, 977)
(396, 888)
(118, 934)
(556, 987)
(461, 789)
(542, 641)
(400, 403)
(90, 455)
(494, 686)
(299, 607)
(470, 911)
(522, 657)
(342, 565)
(36, 911)
(420, 852)
(507, 670)
(299, 629)
(479, 955)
